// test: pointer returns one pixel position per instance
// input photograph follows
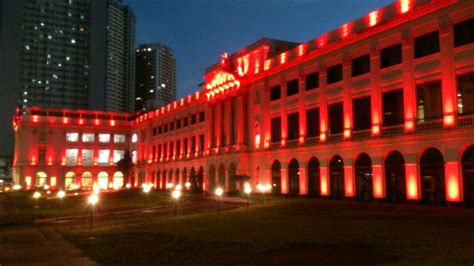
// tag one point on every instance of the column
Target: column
(284, 115)
(218, 124)
(284, 178)
(267, 180)
(453, 182)
(324, 178)
(409, 93)
(378, 180)
(240, 119)
(209, 128)
(302, 109)
(347, 96)
(323, 105)
(412, 177)
(349, 182)
(303, 178)
(375, 96)
(228, 120)
(448, 80)
(226, 183)
(265, 130)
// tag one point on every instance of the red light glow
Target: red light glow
(448, 120)
(112, 123)
(257, 141)
(28, 182)
(453, 188)
(35, 118)
(377, 179)
(324, 181)
(375, 130)
(96, 122)
(65, 120)
(81, 121)
(405, 6)
(283, 58)
(373, 18)
(348, 181)
(412, 181)
(267, 64)
(301, 49)
(345, 30)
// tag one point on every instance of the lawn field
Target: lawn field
(287, 232)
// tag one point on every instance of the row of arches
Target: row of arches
(86, 181)
(195, 178)
(432, 183)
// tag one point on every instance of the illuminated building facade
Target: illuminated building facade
(380, 108)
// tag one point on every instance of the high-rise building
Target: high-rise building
(155, 76)
(75, 54)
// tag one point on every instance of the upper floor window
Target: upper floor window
(360, 65)
(171, 126)
(185, 122)
(201, 116)
(334, 74)
(312, 81)
(134, 138)
(193, 119)
(119, 138)
(466, 93)
(427, 44)
(312, 122)
(87, 157)
(71, 156)
(178, 124)
(464, 32)
(103, 158)
(118, 155)
(160, 130)
(276, 129)
(335, 118)
(292, 87)
(154, 132)
(72, 137)
(429, 103)
(42, 155)
(275, 93)
(165, 128)
(391, 56)
(104, 138)
(392, 106)
(293, 126)
(361, 110)
(88, 137)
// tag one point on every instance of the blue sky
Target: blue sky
(198, 31)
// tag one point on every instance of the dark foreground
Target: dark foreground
(286, 232)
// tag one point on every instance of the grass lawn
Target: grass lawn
(288, 232)
(49, 206)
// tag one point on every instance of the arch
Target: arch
(212, 177)
(118, 180)
(467, 165)
(276, 178)
(86, 180)
(395, 183)
(336, 177)
(313, 177)
(103, 180)
(294, 177)
(41, 179)
(200, 180)
(70, 181)
(432, 177)
(221, 176)
(234, 184)
(363, 175)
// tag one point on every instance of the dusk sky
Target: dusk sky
(199, 31)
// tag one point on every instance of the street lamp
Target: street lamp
(176, 194)
(146, 189)
(219, 193)
(179, 187)
(61, 195)
(36, 196)
(187, 185)
(247, 190)
(93, 200)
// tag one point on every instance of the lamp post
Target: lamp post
(247, 190)
(146, 189)
(36, 196)
(93, 200)
(219, 193)
(176, 194)
(61, 195)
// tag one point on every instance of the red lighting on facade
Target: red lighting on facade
(283, 58)
(112, 123)
(324, 181)
(345, 30)
(257, 141)
(96, 122)
(221, 82)
(412, 181)
(65, 120)
(81, 121)
(377, 178)
(453, 182)
(349, 184)
(301, 49)
(373, 18)
(448, 121)
(267, 64)
(33, 160)
(375, 130)
(35, 118)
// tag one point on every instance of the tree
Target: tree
(125, 165)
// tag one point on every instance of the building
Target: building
(380, 108)
(67, 54)
(155, 82)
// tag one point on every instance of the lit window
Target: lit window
(87, 156)
(88, 137)
(72, 137)
(103, 157)
(134, 156)
(118, 155)
(134, 138)
(71, 156)
(119, 138)
(104, 138)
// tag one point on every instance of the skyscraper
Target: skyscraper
(76, 54)
(155, 76)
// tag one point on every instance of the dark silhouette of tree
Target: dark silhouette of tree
(125, 165)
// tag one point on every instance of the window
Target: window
(335, 118)
(466, 94)
(71, 157)
(165, 128)
(119, 138)
(201, 143)
(103, 158)
(312, 122)
(134, 156)
(293, 126)
(292, 87)
(428, 99)
(171, 148)
(185, 122)
(104, 138)
(193, 119)
(312, 81)
(72, 137)
(87, 157)
(361, 110)
(464, 32)
(154, 131)
(360, 65)
(334, 74)
(171, 126)
(391, 56)
(427, 44)
(193, 144)
(201, 116)
(178, 124)
(160, 130)
(178, 147)
(88, 137)
(392, 108)
(165, 150)
(185, 146)
(41, 155)
(276, 129)
(275, 93)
